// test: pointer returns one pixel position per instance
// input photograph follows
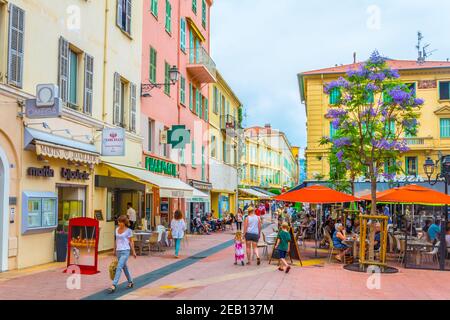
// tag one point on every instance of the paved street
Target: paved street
(206, 271)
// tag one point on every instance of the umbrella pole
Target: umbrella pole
(317, 222)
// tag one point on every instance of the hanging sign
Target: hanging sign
(113, 142)
(178, 137)
(161, 166)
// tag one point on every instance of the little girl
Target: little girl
(238, 248)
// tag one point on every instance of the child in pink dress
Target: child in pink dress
(238, 248)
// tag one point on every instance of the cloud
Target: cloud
(260, 46)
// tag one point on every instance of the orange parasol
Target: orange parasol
(316, 194)
(411, 194)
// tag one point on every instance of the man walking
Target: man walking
(131, 213)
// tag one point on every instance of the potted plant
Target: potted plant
(61, 245)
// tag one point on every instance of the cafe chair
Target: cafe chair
(432, 255)
(301, 238)
(153, 242)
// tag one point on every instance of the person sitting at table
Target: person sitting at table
(338, 237)
(199, 225)
(411, 229)
(434, 232)
(356, 226)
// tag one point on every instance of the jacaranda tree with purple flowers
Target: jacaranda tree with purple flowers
(372, 112)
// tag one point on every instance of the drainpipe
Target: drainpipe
(105, 60)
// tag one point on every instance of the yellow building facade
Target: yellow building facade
(269, 160)
(223, 136)
(431, 82)
(50, 167)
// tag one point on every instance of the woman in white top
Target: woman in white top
(252, 233)
(178, 226)
(124, 245)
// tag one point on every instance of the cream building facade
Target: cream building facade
(91, 50)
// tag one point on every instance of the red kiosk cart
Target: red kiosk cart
(83, 245)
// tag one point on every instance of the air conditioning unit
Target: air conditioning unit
(163, 137)
(46, 95)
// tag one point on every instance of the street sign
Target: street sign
(178, 137)
(32, 111)
(113, 142)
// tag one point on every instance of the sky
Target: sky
(260, 46)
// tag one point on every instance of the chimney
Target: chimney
(354, 57)
(268, 128)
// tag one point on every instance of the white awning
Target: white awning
(198, 196)
(168, 187)
(255, 193)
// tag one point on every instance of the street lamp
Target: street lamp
(174, 77)
(430, 167)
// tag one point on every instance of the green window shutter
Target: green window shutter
(154, 8)
(390, 128)
(168, 16)
(206, 109)
(204, 10)
(445, 128)
(444, 90)
(387, 98)
(216, 100)
(153, 56)
(191, 97)
(370, 97)
(194, 6)
(335, 96)
(167, 79)
(183, 34)
(197, 101)
(191, 47)
(333, 131)
(193, 153)
(73, 77)
(203, 164)
(182, 90)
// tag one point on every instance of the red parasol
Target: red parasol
(316, 194)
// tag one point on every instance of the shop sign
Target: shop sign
(74, 175)
(32, 111)
(161, 166)
(66, 154)
(113, 142)
(397, 178)
(45, 172)
(178, 137)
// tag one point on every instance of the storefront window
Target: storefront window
(48, 212)
(109, 206)
(39, 212)
(34, 213)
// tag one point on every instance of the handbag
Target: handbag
(112, 269)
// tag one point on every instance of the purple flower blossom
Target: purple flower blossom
(340, 155)
(360, 72)
(389, 176)
(410, 123)
(376, 58)
(372, 87)
(336, 113)
(393, 74)
(341, 142)
(377, 76)
(399, 96)
(418, 102)
(340, 83)
(369, 111)
(336, 123)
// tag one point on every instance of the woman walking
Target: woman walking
(239, 219)
(178, 226)
(252, 232)
(124, 245)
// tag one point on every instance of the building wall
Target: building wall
(427, 144)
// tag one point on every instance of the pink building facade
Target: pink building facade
(177, 33)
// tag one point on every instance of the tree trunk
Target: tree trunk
(373, 212)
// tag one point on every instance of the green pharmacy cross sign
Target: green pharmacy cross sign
(178, 137)
(161, 166)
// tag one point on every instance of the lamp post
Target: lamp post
(429, 168)
(174, 76)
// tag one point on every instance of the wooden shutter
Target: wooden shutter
(63, 75)
(206, 109)
(183, 34)
(133, 107)
(16, 46)
(119, 13)
(88, 83)
(128, 13)
(117, 98)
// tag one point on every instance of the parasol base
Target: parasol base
(356, 267)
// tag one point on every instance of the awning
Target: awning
(316, 194)
(255, 193)
(168, 187)
(198, 196)
(267, 193)
(52, 146)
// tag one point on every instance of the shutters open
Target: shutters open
(117, 98)
(133, 107)
(16, 46)
(88, 83)
(63, 69)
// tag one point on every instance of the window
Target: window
(182, 90)
(124, 103)
(16, 46)
(389, 166)
(390, 128)
(191, 47)
(197, 102)
(165, 146)
(133, 108)
(206, 109)
(216, 100)
(183, 35)
(124, 15)
(444, 90)
(73, 78)
(151, 132)
(445, 128)
(335, 96)
(204, 10)
(153, 59)
(194, 6)
(191, 97)
(193, 153)
(370, 97)
(183, 156)
(168, 17)
(213, 147)
(167, 78)
(411, 166)
(40, 211)
(154, 8)
(88, 83)
(333, 131)
(203, 164)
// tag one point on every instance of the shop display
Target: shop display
(83, 244)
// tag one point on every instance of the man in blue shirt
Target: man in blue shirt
(387, 213)
(434, 231)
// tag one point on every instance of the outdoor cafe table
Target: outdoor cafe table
(417, 247)
(354, 243)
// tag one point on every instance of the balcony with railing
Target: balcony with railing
(419, 142)
(201, 66)
(228, 124)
